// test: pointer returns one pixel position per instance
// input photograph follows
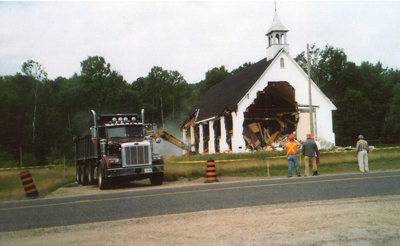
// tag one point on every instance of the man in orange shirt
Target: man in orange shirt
(291, 148)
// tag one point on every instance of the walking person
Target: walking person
(291, 148)
(362, 150)
(310, 151)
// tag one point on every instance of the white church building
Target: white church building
(269, 97)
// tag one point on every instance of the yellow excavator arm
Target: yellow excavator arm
(168, 137)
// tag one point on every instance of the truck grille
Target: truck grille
(136, 154)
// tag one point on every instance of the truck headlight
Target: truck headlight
(157, 157)
(114, 161)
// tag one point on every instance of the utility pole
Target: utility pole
(309, 91)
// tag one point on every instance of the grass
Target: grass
(45, 180)
(256, 164)
(193, 167)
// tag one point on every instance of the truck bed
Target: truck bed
(84, 148)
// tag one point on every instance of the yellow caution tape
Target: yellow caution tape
(277, 157)
(203, 161)
(20, 168)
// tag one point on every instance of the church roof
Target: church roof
(227, 94)
(277, 25)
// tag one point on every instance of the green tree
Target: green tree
(240, 68)
(103, 88)
(391, 128)
(37, 75)
(6, 159)
(138, 84)
(94, 71)
(213, 77)
(95, 67)
(342, 82)
(350, 118)
(162, 92)
(378, 88)
(327, 69)
(16, 114)
(314, 54)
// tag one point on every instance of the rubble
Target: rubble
(339, 148)
(258, 139)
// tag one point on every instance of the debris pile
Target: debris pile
(324, 144)
(258, 138)
(340, 148)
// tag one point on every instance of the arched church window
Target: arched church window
(282, 38)
(282, 63)
(277, 39)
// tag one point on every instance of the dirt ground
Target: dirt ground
(359, 221)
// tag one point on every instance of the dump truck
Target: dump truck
(119, 147)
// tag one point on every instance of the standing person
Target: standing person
(291, 149)
(310, 150)
(362, 150)
(319, 149)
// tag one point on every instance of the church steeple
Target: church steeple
(277, 38)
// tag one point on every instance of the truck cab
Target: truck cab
(120, 149)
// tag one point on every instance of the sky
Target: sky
(190, 37)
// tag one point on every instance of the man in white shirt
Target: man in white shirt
(362, 150)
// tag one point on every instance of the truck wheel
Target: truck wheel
(78, 174)
(84, 177)
(103, 181)
(157, 179)
(91, 179)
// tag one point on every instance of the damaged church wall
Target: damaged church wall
(282, 89)
(296, 77)
(271, 117)
(260, 106)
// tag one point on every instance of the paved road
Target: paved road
(133, 204)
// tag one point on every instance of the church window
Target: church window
(282, 63)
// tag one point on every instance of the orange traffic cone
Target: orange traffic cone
(29, 186)
(211, 174)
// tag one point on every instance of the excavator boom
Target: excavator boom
(168, 137)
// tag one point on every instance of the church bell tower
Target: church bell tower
(277, 38)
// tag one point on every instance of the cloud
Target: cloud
(191, 37)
